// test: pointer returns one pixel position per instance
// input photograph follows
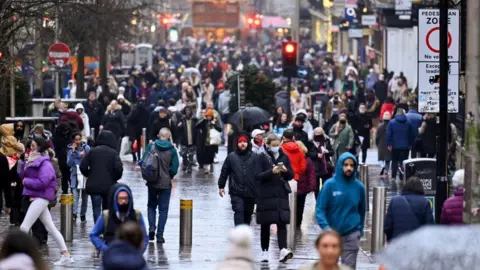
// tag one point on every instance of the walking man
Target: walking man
(400, 139)
(341, 206)
(239, 167)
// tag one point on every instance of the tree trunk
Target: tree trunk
(103, 61)
(80, 76)
(3, 98)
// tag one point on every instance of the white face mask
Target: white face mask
(275, 149)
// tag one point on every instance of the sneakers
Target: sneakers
(64, 260)
(285, 255)
(151, 236)
(160, 239)
(264, 257)
(83, 219)
(74, 218)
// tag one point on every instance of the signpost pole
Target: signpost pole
(442, 143)
(57, 74)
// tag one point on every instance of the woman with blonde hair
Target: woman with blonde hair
(329, 247)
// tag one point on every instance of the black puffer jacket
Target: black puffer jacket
(240, 168)
(272, 203)
(102, 165)
(115, 122)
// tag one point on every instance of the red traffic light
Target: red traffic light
(250, 20)
(257, 22)
(1, 54)
(165, 21)
(289, 48)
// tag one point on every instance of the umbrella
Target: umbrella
(251, 116)
(92, 65)
(188, 72)
(434, 248)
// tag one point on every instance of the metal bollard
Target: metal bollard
(66, 216)
(366, 182)
(92, 133)
(186, 218)
(379, 205)
(291, 228)
(144, 140)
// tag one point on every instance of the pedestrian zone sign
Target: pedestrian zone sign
(429, 87)
(429, 35)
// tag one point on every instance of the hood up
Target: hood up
(249, 141)
(106, 137)
(79, 106)
(339, 168)
(401, 118)
(117, 188)
(291, 147)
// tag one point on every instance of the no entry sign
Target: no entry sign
(429, 35)
(59, 54)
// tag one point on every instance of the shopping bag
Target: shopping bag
(81, 180)
(215, 137)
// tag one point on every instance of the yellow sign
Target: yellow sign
(186, 204)
(66, 199)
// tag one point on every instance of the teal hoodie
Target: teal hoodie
(341, 204)
(164, 145)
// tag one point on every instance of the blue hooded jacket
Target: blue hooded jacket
(400, 133)
(99, 227)
(122, 255)
(341, 204)
(74, 159)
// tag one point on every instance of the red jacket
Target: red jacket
(308, 180)
(452, 211)
(296, 157)
(387, 107)
(73, 117)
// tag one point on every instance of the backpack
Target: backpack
(150, 166)
(138, 214)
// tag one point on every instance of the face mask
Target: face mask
(361, 110)
(343, 121)
(123, 208)
(318, 138)
(275, 149)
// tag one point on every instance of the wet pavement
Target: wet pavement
(212, 221)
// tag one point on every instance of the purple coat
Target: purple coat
(452, 212)
(39, 179)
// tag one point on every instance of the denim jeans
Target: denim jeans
(77, 195)
(99, 202)
(158, 198)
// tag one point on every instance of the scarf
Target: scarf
(33, 156)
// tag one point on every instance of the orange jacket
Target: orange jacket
(296, 157)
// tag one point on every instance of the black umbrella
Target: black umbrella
(250, 116)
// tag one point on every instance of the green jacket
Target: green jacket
(343, 141)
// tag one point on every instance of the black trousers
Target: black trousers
(398, 156)
(300, 207)
(243, 209)
(65, 171)
(281, 236)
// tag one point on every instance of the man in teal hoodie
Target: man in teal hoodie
(159, 192)
(341, 207)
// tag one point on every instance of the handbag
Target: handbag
(215, 137)
(81, 180)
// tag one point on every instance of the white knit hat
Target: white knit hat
(458, 179)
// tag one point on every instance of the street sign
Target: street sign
(350, 15)
(403, 7)
(429, 31)
(429, 87)
(355, 33)
(302, 72)
(59, 54)
(368, 20)
(241, 92)
(425, 169)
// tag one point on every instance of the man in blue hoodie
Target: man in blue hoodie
(341, 207)
(400, 139)
(159, 192)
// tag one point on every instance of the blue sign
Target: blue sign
(351, 15)
(302, 72)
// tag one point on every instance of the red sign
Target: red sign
(59, 54)
(427, 40)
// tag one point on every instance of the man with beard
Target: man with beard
(239, 168)
(341, 207)
(120, 210)
(298, 129)
(19, 129)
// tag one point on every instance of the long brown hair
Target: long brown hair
(18, 242)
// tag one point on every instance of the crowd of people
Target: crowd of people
(310, 148)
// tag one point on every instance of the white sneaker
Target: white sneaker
(285, 255)
(264, 256)
(64, 260)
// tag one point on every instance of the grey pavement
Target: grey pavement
(212, 221)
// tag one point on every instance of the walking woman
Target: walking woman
(272, 202)
(205, 150)
(39, 182)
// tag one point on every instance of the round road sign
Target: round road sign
(427, 40)
(59, 54)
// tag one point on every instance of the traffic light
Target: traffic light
(289, 58)
(254, 21)
(165, 22)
